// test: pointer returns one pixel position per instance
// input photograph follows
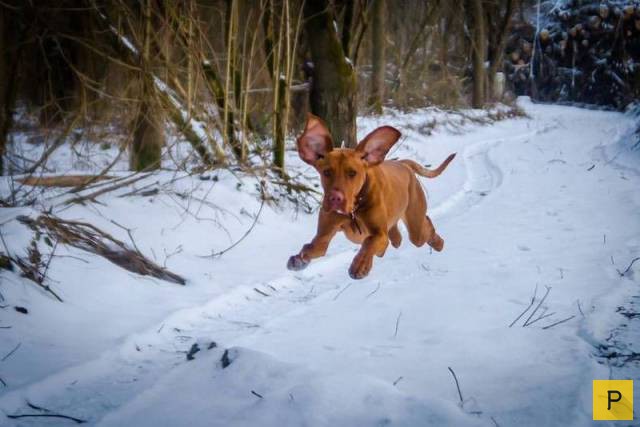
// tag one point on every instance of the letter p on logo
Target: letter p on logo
(613, 399)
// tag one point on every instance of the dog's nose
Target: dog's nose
(336, 199)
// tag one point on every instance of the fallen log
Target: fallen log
(62, 180)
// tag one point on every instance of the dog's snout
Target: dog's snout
(336, 199)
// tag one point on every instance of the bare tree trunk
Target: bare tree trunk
(233, 78)
(378, 56)
(479, 48)
(3, 87)
(275, 53)
(497, 49)
(9, 63)
(333, 92)
(148, 135)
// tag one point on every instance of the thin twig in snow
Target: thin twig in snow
(397, 380)
(455, 378)
(38, 408)
(395, 334)
(628, 268)
(374, 291)
(256, 394)
(542, 316)
(533, 299)
(2, 381)
(264, 294)
(255, 221)
(46, 268)
(92, 196)
(11, 352)
(341, 291)
(66, 417)
(128, 230)
(579, 307)
(526, 323)
(559, 321)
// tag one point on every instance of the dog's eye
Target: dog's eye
(351, 173)
(326, 172)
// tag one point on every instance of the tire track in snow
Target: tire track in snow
(483, 177)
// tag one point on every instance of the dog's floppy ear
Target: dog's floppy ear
(377, 144)
(315, 142)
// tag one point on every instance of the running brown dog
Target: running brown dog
(365, 196)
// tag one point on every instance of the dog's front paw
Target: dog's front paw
(296, 263)
(360, 267)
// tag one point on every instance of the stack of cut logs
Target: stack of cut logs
(585, 51)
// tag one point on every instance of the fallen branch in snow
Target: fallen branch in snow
(542, 316)
(256, 394)
(623, 273)
(2, 381)
(533, 299)
(526, 323)
(455, 378)
(87, 237)
(66, 417)
(397, 380)
(45, 413)
(92, 196)
(559, 322)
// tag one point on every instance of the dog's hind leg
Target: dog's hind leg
(394, 236)
(421, 231)
(419, 225)
(434, 240)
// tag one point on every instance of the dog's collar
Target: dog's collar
(355, 226)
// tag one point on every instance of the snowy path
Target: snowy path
(524, 209)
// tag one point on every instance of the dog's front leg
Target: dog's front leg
(328, 226)
(375, 244)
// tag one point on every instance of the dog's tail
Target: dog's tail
(429, 173)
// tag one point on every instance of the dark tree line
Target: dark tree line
(234, 78)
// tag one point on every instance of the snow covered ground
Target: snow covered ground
(531, 205)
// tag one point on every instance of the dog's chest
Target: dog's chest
(355, 230)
